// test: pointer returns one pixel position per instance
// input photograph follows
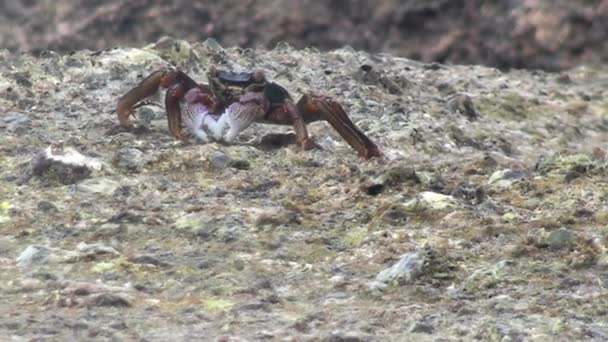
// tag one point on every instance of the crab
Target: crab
(232, 101)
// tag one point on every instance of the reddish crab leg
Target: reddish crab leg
(314, 108)
(147, 87)
(175, 79)
(174, 112)
(299, 126)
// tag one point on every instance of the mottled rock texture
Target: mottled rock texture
(497, 181)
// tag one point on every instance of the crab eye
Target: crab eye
(275, 93)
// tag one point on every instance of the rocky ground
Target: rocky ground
(485, 220)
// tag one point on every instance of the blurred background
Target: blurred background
(545, 34)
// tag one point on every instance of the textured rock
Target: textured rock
(130, 159)
(404, 271)
(63, 165)
(16, 122)
(256, 239)
(432, 201)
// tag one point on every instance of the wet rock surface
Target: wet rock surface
(502, 214)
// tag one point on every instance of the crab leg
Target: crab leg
(173, 108)
(163, 78)
(299, 126)
(314, 107)
(128, 102)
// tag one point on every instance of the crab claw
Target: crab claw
(315, 107)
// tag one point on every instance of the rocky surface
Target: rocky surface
(486, 220)
(546, 34)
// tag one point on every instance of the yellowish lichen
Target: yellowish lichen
(217, 304)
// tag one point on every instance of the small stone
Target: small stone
(17, 122)
(150, 199)
(91, 251)
(110, 230)
(275, 141)
(254, 306)
(98, 186)
(471, 193)
(41, 254)
(205, 263)
(372, 188)
(63, 165)
(34, 254)
(130, 159)
(146, 259)
(189, 222)
(404, 271)
(401, 174)
(240, 164)
(422, 327)
(13, 116)
(109, 299)
(118, 325)
(433, 201)
(275, 217)
(207, 228)
(572, 175)
(508, 217)
(390, 84)
(395, 214)
(47, 206)
(31, 284)
(147, 114)
(560, 239)
(599, 153)
(346, 336)
(390, 178)
(213, 45)
(165, 43)
(219, 160)
(505, 178)
(463, 105)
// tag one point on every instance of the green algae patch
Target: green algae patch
(599, 109)
(178, 52)
(4, 207)
(317, 253)
(577, 162)
(217, 304)
(355, 236)
(189, 222)
(118, 264)
(130, 56)
(510, 105)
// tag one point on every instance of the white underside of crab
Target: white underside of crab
(226, 126)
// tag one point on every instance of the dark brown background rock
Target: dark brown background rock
(548, 34)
